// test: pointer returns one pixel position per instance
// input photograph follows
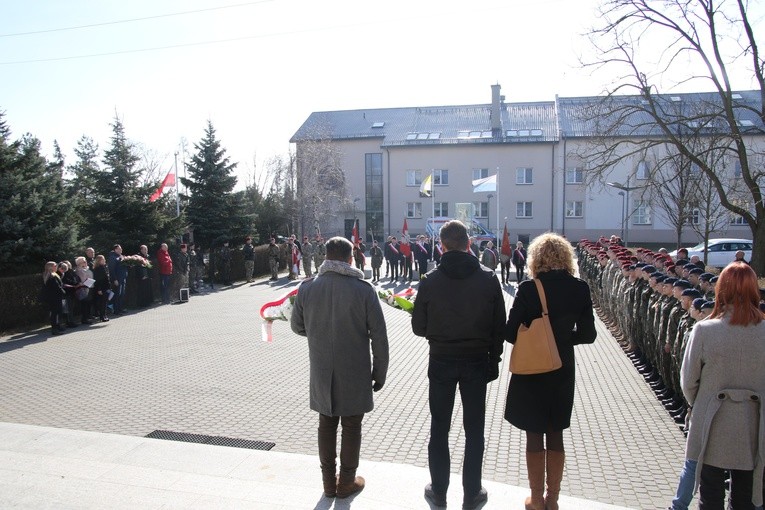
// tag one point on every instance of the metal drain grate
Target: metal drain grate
(214, 440)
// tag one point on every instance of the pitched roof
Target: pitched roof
(532, 122)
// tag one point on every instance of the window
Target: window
(378, 124)
(374, 192)
(413, 177)
(441, 209)
(642, 170)
(523, 209)
(441, 178)
(573, 209)
(737, 170)
(696, 216)
(414, 209)
(523, 176)
(642, 214)
(738, 220)
(480, 173)
(481, 209)
(574, 175)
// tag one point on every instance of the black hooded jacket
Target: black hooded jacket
(460, 308)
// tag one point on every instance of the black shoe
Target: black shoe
(55, 331)
(436, 499)
(104, 319)
(475, 501)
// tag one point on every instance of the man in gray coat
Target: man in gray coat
(340, 313)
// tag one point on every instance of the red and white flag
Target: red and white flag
(405, 230)
(167, 182)
(355, 233)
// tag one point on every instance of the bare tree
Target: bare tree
(320, 182)
(716, 36)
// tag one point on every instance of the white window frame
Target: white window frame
(414, 178)
(414, 209)
(571, 209)
(480, 173)
(528, 209)
(641, 172)
(481, 209)
(440, 177)
(642, 213)
(575, 175)
(524, 175)
(738, 220)
(441, 209)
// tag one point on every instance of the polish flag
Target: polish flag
(167, 182)
(405, 230)
(355, 233)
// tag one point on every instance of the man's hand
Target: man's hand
(377, 386)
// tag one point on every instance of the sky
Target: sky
(257, 69)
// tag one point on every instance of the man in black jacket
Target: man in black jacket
(460, 309)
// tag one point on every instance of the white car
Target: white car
(721, 252)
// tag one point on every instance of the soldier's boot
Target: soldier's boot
(555, 463)
(535, 465)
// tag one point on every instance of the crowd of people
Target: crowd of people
(696, 337)
(95, 285)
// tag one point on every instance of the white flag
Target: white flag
(485, 184)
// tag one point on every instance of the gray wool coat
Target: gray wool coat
(341, 315)
(721, 371)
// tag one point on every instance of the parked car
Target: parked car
(721, 252)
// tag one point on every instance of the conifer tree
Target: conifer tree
(213, 210)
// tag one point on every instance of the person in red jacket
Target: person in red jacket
(165, 272)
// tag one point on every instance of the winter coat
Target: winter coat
(519, 257)
(340, 313)
(377, 256)
(539, 402)
(460, 308)
(53, 292)
(489, 258)
(101, 276)
(720, 359)
(117, 270)
(165, 262)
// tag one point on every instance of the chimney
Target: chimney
(496, 110)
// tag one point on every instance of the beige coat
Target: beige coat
(723, 379)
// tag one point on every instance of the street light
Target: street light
(488, 209)
(625, 188)
(622, 233)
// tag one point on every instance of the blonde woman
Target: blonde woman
(53, 296)
(84, 294)
(541, 404)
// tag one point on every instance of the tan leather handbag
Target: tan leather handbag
(535, 351)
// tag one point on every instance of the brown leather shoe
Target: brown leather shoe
(349, 486)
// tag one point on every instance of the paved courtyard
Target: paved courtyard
(201, 367)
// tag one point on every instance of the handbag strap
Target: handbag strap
(542, 298)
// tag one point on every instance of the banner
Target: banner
(485, 184)
(426, 188)
(167, 182)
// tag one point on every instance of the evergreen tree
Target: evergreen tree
(120, 211)
(213, 210)
(82, 180)
(36, 215)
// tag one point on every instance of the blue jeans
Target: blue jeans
(445, 375)
(685, 486)
(164, 283)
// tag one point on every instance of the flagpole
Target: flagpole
(432, 198)
(498, 202)
(177, 196)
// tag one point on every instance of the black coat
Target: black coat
(53, 293)
(101, 276)
(460, 308)
(539, 402)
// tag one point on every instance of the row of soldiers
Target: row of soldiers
(651, 302)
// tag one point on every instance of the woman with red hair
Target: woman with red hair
(723, 380)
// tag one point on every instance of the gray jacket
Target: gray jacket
(340, 313)
(721, 371)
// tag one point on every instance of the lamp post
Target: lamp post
(488, 209)
(626, 188)
(622, 232)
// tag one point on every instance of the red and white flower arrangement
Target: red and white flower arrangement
(403, 300)
(279, 310)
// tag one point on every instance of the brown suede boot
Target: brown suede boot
(349, 484)
(555, 463)
(535, 465)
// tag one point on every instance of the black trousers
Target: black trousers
(712, 489)
(445, 376)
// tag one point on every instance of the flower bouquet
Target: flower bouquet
(403, 300)
(279, 310)
(135, 260)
